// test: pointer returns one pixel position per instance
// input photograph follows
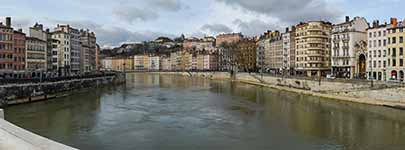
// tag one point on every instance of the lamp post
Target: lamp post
(319, 76)
(372, 73)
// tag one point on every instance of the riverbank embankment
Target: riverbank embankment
(18, 93)
(382, 93)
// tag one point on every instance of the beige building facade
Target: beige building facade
(395, 68)
(313, 48)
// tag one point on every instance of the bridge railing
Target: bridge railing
(52, 79)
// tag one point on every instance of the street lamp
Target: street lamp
(372, 73)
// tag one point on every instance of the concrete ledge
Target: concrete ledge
(16, 138)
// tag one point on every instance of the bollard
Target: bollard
(1, 114)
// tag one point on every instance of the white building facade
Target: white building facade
(107, 64)
(377, 51)
(154, 63)
(345, 54)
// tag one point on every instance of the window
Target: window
(394, 63)
(394, 40)
(394, 52)
(389, 62)
(389, 51)
(401, 39)
(401, 51)
(401, 62)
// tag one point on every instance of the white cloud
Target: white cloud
(216, 28)
(151, 10)
(290, 11)
(255, 27)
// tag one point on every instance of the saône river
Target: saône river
(170, 112)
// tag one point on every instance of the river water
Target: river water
(169, 112)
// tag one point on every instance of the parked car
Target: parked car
(330, 76)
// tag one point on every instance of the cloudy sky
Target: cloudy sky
(118, 21)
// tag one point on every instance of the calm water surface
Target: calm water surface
(167, 112)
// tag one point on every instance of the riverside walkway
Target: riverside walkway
(16, 138)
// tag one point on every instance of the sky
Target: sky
(124, 21)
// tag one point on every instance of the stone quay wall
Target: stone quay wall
(314, 85)
(11, 94)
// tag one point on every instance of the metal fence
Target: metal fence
(53, 79)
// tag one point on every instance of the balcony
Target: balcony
(315, 41)
(315, 55)
(314, 29)
(316, 36)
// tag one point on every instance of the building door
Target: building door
(362, 66)
(394, 75)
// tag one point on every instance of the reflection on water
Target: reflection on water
(177, 112)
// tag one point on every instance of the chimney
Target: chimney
(20, 30)
(347, 18)
(378, 23)
(394, 22)
(287, 29)
(8, 22)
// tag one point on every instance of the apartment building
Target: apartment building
(69, 48)
(345, 54)
(38, 35)
(313, 48)
(12, 51)
(36, 56)
(154, 63)
(274, 54)
(246, 54)
(186, 60)
(260, 49)
(87, 51)
(106, 64)
(395, 36)
(377, 59)
(19, 40)
(165, 64)
(289, 51)
(139, 62)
